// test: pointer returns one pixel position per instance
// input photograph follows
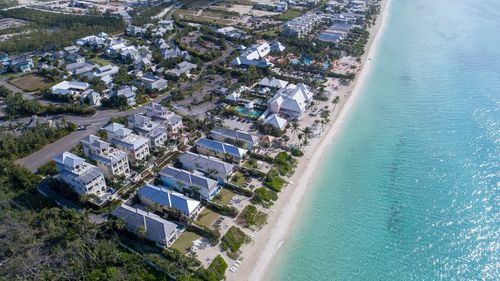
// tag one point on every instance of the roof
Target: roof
(188, 178)
(205, 164)
(276, 121)
(222, 147)
(235, 135)
(156, 229)
(68, 159)
(168, 198)
(273, 83)
(101, 151)
(66, 85)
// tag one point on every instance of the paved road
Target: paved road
(33, 161)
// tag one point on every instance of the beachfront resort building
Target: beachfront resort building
(291, 100)
(220, 149)
(168, 118)
(112, 161)
(212, 167)
(254, 56)
(149, 225)
(136, 146)
(236, 137)
(146, 127)
(303, 25)
(191, 182)
(82, 177)
(152, 196)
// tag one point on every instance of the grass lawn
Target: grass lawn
(288, 15)
(31, 83)
(185, 241)
(224, 196)
(207, 217)
(238, 179)
(100, 61)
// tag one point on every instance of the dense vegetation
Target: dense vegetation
(264, 196)
(233, 240)
(18, 106)
(143, 15)
(273, 181)
(284, 163)
(16, 146)
(54, 30)
(252, 218)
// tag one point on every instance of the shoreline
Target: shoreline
(258, 256)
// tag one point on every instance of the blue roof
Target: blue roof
(168, 198)
(221, 147)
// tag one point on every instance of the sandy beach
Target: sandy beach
(257, 257)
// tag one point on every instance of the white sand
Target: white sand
(258, 257)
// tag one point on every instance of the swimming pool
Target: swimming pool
(250, 113)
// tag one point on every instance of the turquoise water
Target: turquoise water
(250, 113)
(410, 190)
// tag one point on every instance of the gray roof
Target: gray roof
(235, 135)
(189, 178)
(221, 147)
(157, 229)
(205, 164)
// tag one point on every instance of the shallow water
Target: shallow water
(410, 189)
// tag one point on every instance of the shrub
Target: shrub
(273, 181)
(297, 152)
(221, 209)
(234, 239)
(264, 197)
(252, 218)
(215, 270)
(48, 169)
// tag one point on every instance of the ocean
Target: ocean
(410, 188)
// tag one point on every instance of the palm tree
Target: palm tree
(295, 129)
(335, 101)
(119, 224)
(307, 135)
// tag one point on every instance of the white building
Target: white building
(291, 100)
(136, 146)
(146, 127)
(275, 121)
(113, 162)
(69, 88)
(82, 177)
(168, 118)
(254, 56)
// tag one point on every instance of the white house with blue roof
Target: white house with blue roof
(151, 195)
(183, 180)
(220, 149)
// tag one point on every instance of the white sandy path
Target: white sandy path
(258, 257)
